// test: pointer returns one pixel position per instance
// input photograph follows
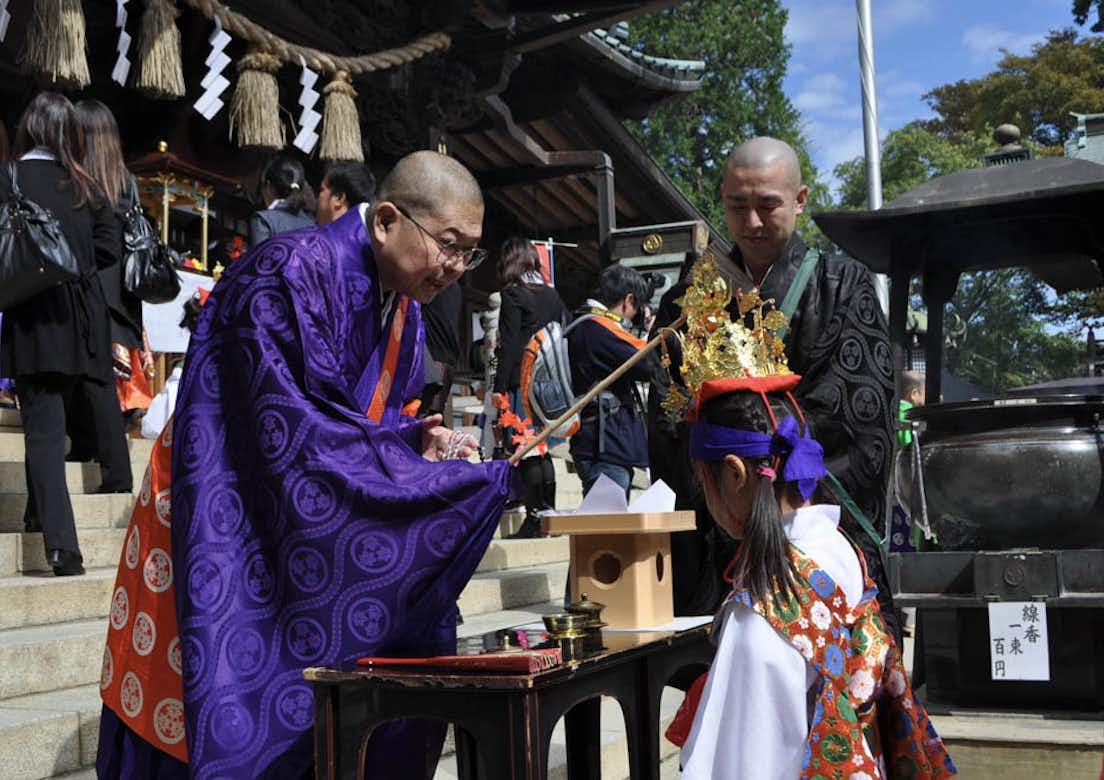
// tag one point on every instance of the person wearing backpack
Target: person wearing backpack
(59, 338)
(528, 304)
(611, 439)
(288, 198)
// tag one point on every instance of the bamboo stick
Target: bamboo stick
(591, 394)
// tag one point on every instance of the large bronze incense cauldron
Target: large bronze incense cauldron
(1010, 472)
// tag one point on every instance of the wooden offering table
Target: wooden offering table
(503, 722)
(623, 560)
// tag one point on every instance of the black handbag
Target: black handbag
(34, 253)
(149, 270)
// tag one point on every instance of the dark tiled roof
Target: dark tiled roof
(683, 70)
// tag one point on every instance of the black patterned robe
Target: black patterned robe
(838, 342)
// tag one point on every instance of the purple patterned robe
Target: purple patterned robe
(303, 533)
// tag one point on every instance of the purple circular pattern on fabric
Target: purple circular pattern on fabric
(245, 651)
(205, 584)
(368, 619)
(309, 570)
(269, 309)
(374, 552)
(260, 582)
(306, 638)
(274, 255)
(192, 659)
(272, 433)
(231, 725)
(209, 379)
(193, 444)
(359, 288)
(314, 499)
(443, 535)
(224, 508)
(295, 707)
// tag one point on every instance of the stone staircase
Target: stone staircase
(52, 629)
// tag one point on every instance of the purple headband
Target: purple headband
(803, 457)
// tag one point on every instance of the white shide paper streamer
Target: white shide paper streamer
(5, 17)
(308, 118)
(122, 63)
(214, 83)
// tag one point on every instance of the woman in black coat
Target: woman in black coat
(103, 159)
(528, 304)
(57, 340)
(288, 198)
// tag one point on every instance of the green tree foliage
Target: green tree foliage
(1037, 92)
(742, 44)
(1002, 326)
(910, 156)
(1083, 8)
(1006, 343)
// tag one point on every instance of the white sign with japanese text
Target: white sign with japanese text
(1018, 647)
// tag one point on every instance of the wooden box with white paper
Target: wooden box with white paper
(621, 555)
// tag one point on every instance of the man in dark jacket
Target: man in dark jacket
(612, 438)
(837, 341)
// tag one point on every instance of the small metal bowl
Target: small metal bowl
(564, 622)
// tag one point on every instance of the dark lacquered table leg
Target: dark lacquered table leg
(582, 727)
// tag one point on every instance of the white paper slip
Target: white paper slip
(677, 624)
(606, 497)
(1018, 648)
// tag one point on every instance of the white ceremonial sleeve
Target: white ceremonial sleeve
(161, 408)
(752, 719)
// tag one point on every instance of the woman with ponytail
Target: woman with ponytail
(805, 674)
(288, 198)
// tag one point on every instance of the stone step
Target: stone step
(82, 478)
(99, 547)
(89, 511)
(56, 733)
(11, 447)
(48, 658)
(502, 590)
(10, 418)
(45, 599)
(1014, 746)
(50, 734)
(517, 553)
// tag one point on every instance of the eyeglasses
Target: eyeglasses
(467, 257)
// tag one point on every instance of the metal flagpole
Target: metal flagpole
(870, 128)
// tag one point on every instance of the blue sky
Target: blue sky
(918, 45)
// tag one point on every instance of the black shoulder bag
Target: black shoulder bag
(148, 265)
(34, 253)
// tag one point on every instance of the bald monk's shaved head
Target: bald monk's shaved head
(428, 182)
(767, 152)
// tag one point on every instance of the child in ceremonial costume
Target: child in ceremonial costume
(806, 681)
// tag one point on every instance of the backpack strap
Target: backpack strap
(860, 516)
(799, 283)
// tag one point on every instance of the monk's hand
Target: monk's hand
(441, 443)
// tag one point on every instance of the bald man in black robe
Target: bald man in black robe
(838, 341)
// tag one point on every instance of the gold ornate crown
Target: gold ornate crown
(715, 346)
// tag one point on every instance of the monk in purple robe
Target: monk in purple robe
(310, 524)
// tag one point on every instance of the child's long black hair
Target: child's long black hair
(762, 565)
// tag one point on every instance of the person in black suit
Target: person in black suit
(288, 198)
(56, 340)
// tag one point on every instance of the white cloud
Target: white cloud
(984, 41)
(829, 28)
(821, 92)
(892, 16)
